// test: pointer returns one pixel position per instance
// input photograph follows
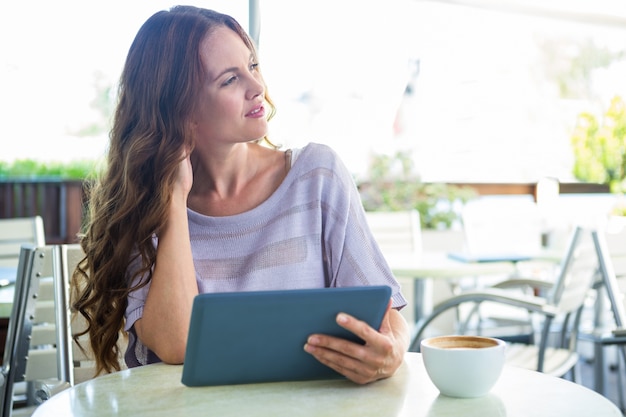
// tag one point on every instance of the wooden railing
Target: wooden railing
(61, 203)
(491, 188)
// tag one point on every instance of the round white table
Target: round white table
(156, 390)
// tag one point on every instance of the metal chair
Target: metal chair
(610, 245)
(562, 305)
(30, 353)
(41, 357)
(79, 361)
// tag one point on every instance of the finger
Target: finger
(358, 327)
(357, 375)
(372, 351)
(337, 350)
(364, 359)
(385, 325)
(353, 369)
(362, 329)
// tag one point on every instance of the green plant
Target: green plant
(599, 146)
(393, 185)
(28, 168)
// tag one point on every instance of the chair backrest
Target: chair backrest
(78, 360)
(576, 275)
(396, 231)
(16, 231)
(577, 272)
(40, 349)
(501, 226)
(610, 244)
(30, 350)
(615, 236)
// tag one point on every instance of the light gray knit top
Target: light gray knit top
(310, 233)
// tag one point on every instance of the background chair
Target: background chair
(16, 231)
(79, 362)
(506, 228)
(553, 353)
(609, 330)
(41, 357)
(396, 231)
(502, 227)
(400, 237)
(13, 233)
(399, 232)
(30, 350)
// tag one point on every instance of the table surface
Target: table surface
(156, 390)
(434, 265)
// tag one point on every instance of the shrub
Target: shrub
(29, 169)
(599, 146)
(394, 186)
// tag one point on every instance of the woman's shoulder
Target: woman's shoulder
(317, 154)
(322, 160)
(318, 148)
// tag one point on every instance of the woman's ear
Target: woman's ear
(192, 125)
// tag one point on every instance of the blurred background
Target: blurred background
(469, 90)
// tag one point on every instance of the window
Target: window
(483, 91)
(474, 90)
(59, 66)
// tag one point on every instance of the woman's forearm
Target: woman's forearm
(164, 325)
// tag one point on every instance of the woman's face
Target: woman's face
(231, 106)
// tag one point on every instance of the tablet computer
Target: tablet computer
(259, 336)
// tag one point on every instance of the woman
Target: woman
(192, 201)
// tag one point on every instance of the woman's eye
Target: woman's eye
(230, 80)
(254, 66)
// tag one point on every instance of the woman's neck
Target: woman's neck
(237, 181)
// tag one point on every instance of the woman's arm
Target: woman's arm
(164, 324)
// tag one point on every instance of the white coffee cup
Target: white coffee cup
(463, 366)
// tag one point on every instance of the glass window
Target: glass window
(489, 93)
(478, 90)
(59, 66)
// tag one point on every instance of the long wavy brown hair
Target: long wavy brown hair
(128, 202)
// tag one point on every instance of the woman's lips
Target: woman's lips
(258, 111)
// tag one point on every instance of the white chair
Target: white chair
(610, 244)
(80, 365)
(506, 228)
(501, 227)
(16, 231)
(41, 357)
(30, 350)
(562, 305)
(399, 232)
(396, 231)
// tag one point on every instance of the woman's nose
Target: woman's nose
(256, 88)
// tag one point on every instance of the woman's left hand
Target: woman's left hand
(380, 356)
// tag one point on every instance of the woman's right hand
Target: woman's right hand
(184, 180)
